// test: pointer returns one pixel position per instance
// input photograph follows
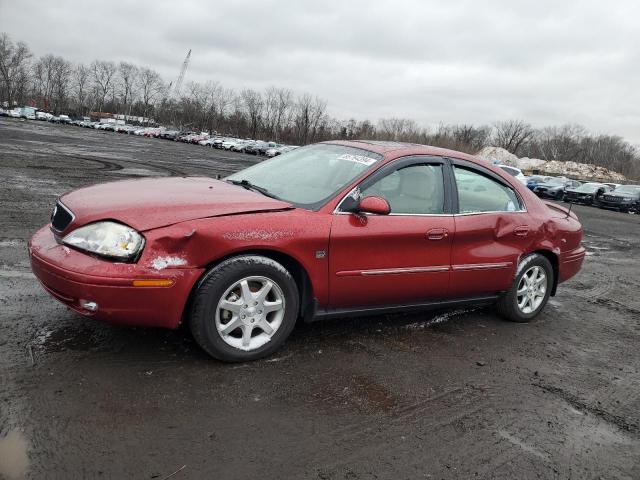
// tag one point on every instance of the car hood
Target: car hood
(157, 202)
(621, 195)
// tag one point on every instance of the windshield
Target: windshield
(588, 187)
(309, 176)
(556, 181)
(629, 189)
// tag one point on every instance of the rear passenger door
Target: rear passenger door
(492, 230)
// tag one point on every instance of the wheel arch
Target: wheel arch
(293, 265)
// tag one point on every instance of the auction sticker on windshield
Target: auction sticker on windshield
(368, 161)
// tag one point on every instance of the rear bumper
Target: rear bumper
(570, 263)
(70, 277)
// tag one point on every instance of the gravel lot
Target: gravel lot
(453, 394)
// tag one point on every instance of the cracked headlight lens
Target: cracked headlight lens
(108, 239)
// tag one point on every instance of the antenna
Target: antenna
(569, 211)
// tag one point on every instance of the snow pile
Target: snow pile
(551, 167)
(498, 155)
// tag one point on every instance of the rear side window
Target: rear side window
(479, 193)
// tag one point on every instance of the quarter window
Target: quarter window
(416, 189)
(479, 193)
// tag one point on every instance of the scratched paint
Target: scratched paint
(264, 235)
(161, 263)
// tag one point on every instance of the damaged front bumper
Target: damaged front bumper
(118, 293)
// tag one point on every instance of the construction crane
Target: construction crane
(176, 89)
(183, 70)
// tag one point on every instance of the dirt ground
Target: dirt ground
(451, 394)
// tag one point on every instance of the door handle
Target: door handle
(521, 231)
(437, 233)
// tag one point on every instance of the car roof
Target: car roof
(397, 149)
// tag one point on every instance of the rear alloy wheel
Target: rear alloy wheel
(244, 308)
(532, 290)
(529, 291)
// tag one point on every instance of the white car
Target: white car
(514, 172)
(229, 143)
(14, 113)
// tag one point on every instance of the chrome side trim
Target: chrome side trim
(435, 268)
(481, 266)
(399, 214)
(392, 271)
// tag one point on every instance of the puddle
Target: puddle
(13, 455)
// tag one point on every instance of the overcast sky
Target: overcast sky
(548, 62)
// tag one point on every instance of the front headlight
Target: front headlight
(108, 239)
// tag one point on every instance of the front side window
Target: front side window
(480, 193)
(416, 189)
(309, 176)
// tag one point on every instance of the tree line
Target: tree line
(57, 85)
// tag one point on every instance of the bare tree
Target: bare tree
(103, 74)
(254, 105)
(80, 79)
(61, 80)
(511, 135)
(128, 83)
(14, 61)
(151, 86)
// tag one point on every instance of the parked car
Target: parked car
(514, 172)
(229, 143)
(625, 198)
(273, 151)
(256, 147)
(331, 229)
(589, 193)
(241, 146)
(555, 187)
(534, 180)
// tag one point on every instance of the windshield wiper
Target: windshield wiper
(250, 186)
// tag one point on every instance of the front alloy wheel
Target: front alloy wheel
(250, 312)
(244, 308)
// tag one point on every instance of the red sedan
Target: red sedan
(332, 229)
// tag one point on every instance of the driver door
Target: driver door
(400, 258)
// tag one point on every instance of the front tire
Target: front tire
(244, 308)
(529, 291)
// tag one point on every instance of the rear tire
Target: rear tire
(250, 293)
(529, 291)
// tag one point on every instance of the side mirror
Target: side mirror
(377, 205)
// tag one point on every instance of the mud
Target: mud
(458, 394)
